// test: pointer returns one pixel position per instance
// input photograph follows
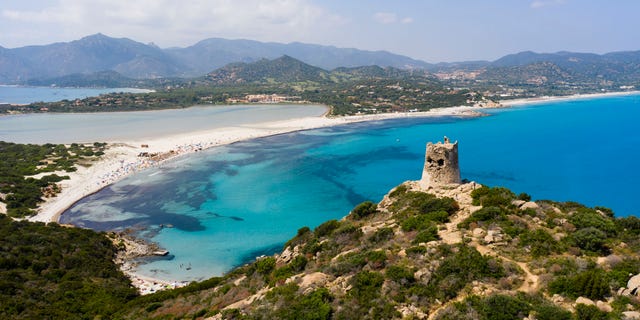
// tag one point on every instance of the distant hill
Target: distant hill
(283, 69)
(133, 59)
(618, 67)
(286, 69)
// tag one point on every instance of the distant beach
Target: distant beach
(547, 99)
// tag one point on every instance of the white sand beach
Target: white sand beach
(547, 99)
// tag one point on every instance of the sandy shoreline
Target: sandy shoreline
(547, 99)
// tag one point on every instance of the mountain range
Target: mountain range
(97, 53)
(100, 60)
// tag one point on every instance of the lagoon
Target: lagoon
(230, 204)
(133, 125)
(25, 95)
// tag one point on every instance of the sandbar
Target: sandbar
(547, 99)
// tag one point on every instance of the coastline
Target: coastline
(122, 158)
(547, 99)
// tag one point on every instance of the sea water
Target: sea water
(223, 207)
(26, 95)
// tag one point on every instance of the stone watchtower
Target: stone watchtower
(441, 165)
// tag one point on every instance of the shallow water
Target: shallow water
(228, 205)
(125, 126)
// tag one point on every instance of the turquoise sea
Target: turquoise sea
(228, 205)
(25, 95)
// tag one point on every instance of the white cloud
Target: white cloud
(178, 23)
(407, 20)
(390, 17)
(385, 17)
(545, 3)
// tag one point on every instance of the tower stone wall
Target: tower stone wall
(441, 164)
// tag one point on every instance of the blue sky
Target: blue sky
(430, 30)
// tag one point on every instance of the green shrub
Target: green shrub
(303, 235)
(484, 214)
(590, 239)
(265, 265)
(503, 307)
(495, 196)
(460, 268)
(416, 250)
(398, 191)
(628, 224)
(298, 263)
(424, 236)
(312, 247)
(413, 202)
(585, 312)
(376, 259)
(326, 228)
(589, 218)
(619, 273)
(592, 284)
(366, 286)
(399, 274)
(364, 209)
(382, 234)
(314, 306)
(153, 307)
(540, 242)
(524, 197)
(551, 312)
(348, 263)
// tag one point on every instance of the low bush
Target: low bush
(593, 284)
(364, 209)
(326, 228)
(492, 196)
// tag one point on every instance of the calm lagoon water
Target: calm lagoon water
(228, 205)
(125, 126)
(25, 95)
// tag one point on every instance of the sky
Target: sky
(429, 30)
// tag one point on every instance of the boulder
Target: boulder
(478, 232)
(493, 236)
(518, 203)
(603, 306)
(633, 284)
(586, 301)
(529, 205)
(557, 298)
(631, 315)
(317, 278)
